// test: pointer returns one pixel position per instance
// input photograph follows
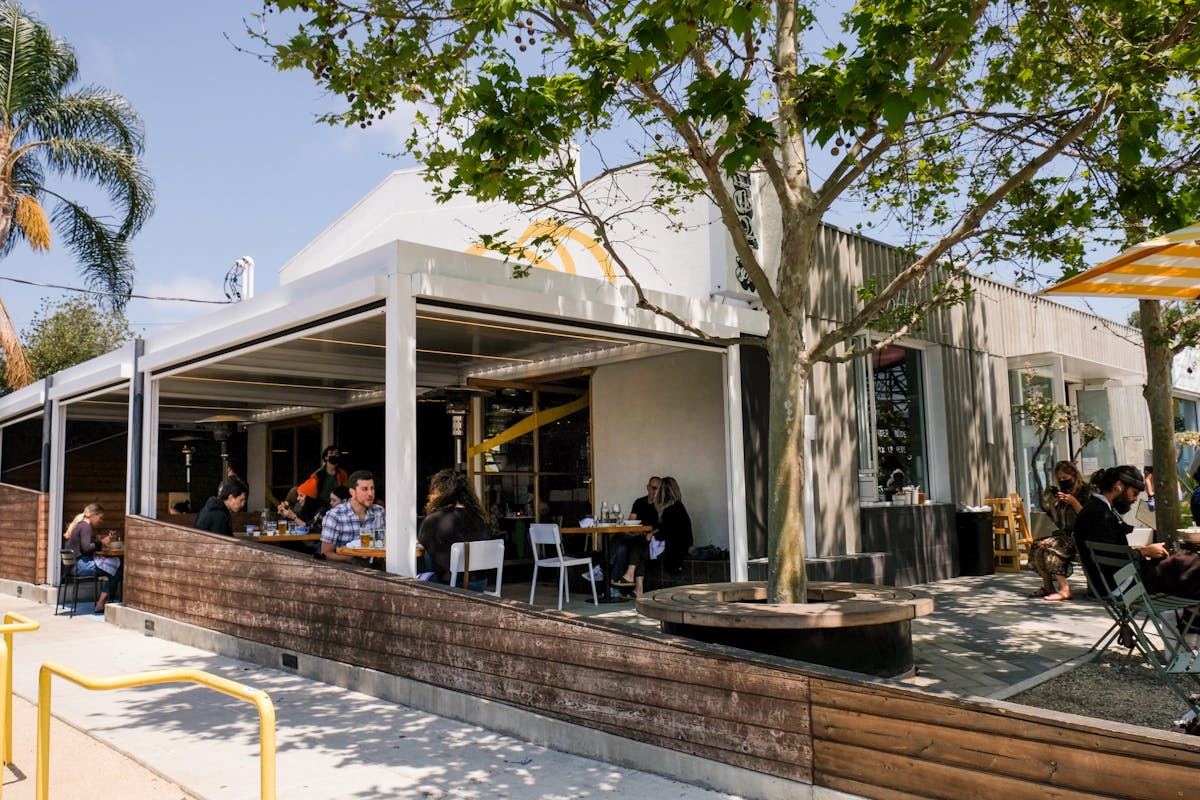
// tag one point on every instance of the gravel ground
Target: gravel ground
(1115, 686)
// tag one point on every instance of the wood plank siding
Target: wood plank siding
(24, 515)
(889, 742)
(874, 739)
(649, 688)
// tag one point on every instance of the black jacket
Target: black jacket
(215, 517)
(1098, 522)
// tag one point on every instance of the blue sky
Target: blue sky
(240, 164)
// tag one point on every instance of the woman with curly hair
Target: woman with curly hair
(1051, 557)
(453, 514)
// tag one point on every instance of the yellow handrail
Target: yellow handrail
(13, 623)
(266, 712)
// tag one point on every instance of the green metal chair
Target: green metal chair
(1146, 614)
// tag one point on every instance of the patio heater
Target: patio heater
(456, 408)
(187, 450)
(222, 426)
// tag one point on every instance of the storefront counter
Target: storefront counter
(920, 541)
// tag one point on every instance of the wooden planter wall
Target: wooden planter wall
(873, 739)
(24, 517)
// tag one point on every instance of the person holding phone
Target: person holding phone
(1051, 557)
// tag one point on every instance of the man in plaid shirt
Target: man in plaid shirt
(347, 521)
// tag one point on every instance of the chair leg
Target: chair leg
(62, 594)
(595, 599)
(533, 584)
(74, 598)
(562, 586)
(566, 583)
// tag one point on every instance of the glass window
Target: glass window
(543, 474)
(295, 453)
(897, 390)
(1185, 420)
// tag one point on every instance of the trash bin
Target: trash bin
(975, 556)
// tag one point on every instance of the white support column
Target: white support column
(58, 447)
(400, 426)
(149, 499)
(735, 465)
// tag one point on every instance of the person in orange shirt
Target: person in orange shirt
(311, 495)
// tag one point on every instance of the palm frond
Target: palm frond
(30, 219)
(116, 170)
(91, 113)
(88, 135)
(102, 252)
(34, 65)
(17, 372)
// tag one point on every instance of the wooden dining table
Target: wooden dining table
(280, 538)
(362, 552)
(605, 531)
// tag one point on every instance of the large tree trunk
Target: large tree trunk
(1159, 403)
(786, 581)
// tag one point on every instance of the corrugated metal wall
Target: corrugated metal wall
(991, 331)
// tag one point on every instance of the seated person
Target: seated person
(670, 542)
(644, 512)
(339, 495)
(452, 514)
(1117, 488)
(217, 514)
(1051, 557)
(347, 522)
(80, 539)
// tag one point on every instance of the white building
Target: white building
(386, 315)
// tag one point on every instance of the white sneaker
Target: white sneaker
(596, 574)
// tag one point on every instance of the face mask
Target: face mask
(333, 460)
(1064, 487)
(1121, 505)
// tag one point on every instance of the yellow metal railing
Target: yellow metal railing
(13, 623)
(266, 712)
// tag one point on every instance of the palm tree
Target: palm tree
(90, 135)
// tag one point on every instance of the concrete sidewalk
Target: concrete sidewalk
(332, 743)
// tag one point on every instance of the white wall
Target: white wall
(663, 416)
(661, 256)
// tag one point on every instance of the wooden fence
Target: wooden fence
(24, 517)
(828, 728)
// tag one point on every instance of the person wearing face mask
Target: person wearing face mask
(1051, 557)
(311, 493)
(1116, 490)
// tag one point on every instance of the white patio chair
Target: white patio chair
(486, 554)
(544, 535)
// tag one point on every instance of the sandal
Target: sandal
(621, 583)
(1057, 596)
(1037, 593)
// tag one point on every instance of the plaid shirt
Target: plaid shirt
(341, 525)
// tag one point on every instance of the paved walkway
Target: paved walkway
(332, 743)
(984, 638)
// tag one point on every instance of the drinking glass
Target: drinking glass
(616, 512)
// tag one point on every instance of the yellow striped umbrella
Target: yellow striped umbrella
(1164, 268)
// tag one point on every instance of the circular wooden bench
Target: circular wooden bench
(859, 627)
